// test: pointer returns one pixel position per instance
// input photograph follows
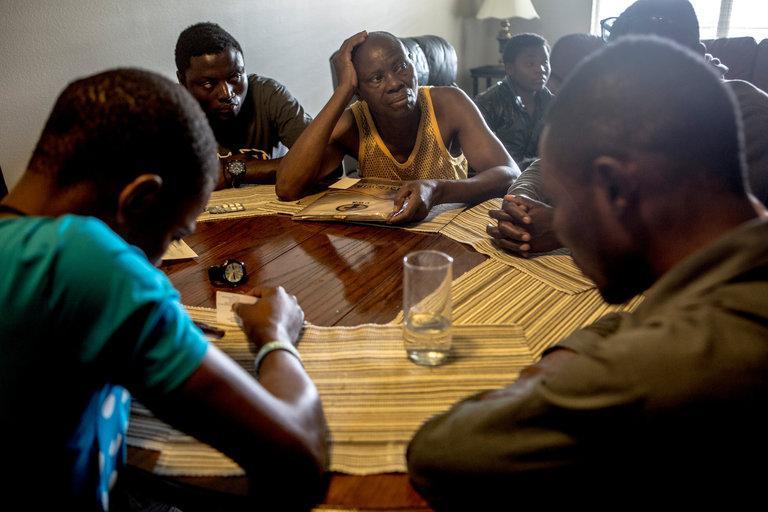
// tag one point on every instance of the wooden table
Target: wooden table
(342, 274)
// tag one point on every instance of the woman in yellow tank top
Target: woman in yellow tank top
(426, 137)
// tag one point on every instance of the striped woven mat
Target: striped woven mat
(374, 397)
(555, 269)
(494, 293)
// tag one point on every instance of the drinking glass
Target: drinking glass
(427, 277)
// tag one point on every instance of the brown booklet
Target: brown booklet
(368, 200)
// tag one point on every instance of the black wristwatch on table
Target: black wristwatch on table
(235, 171)
(230, 273)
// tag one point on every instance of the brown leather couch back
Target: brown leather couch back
(745, 58)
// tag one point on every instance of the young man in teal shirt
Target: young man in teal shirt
(125, 164)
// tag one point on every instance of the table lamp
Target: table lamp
(503, 10)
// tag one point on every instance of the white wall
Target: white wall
(45, 44)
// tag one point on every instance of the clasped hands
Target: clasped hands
(524, 226)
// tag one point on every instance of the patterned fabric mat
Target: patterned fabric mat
(260, 200)
(439, 217)
(556, 269)
(253, 198)
(374, 397)
(494, 293)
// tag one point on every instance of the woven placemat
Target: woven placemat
(556, 268)
(373, 396)
(494, 293)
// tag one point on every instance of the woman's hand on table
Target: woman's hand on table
(276, 316)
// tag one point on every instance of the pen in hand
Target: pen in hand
(210, 330)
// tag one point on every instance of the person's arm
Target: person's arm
(525, 437)
(274, 427)
(458, 117)
(530, 184)
(631, 394)
(321, 147)
(257, 170)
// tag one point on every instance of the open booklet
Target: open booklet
(368, 200)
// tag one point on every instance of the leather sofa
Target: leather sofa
(745, 58)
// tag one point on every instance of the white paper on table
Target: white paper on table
(179, 250)
(224, 301)
(344, 183)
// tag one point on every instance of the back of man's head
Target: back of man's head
(617, 102)
(570, 50)
(109, 128)
(520, 42)
(673, 19)
(202, 39)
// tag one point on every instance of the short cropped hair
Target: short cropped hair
(673, 19)
(108, 128)
(202, 39)
(520, 42)
(645, 93)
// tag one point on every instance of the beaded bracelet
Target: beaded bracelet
(271, 347)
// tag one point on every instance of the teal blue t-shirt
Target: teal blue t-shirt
(84, 319)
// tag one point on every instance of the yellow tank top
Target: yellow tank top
(430, 159)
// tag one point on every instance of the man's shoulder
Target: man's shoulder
(69, 231)
(747, 93)
(90, 244)
(492, 94)
(265, 87)
(448, 98)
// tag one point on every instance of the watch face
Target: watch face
(234, 272)
(236, 168)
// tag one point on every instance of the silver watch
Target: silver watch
(235, 171)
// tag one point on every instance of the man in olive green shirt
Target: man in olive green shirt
(667, 402)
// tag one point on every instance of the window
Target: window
(717, 18)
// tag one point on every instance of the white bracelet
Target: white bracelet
(271, 347)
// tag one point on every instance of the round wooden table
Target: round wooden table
(342, 274)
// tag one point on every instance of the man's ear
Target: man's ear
(509, 69)
(616, 179)
(138, 197)
(181, 78)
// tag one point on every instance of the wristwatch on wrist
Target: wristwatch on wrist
(235, 171)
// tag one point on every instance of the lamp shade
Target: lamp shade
(503, 9)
